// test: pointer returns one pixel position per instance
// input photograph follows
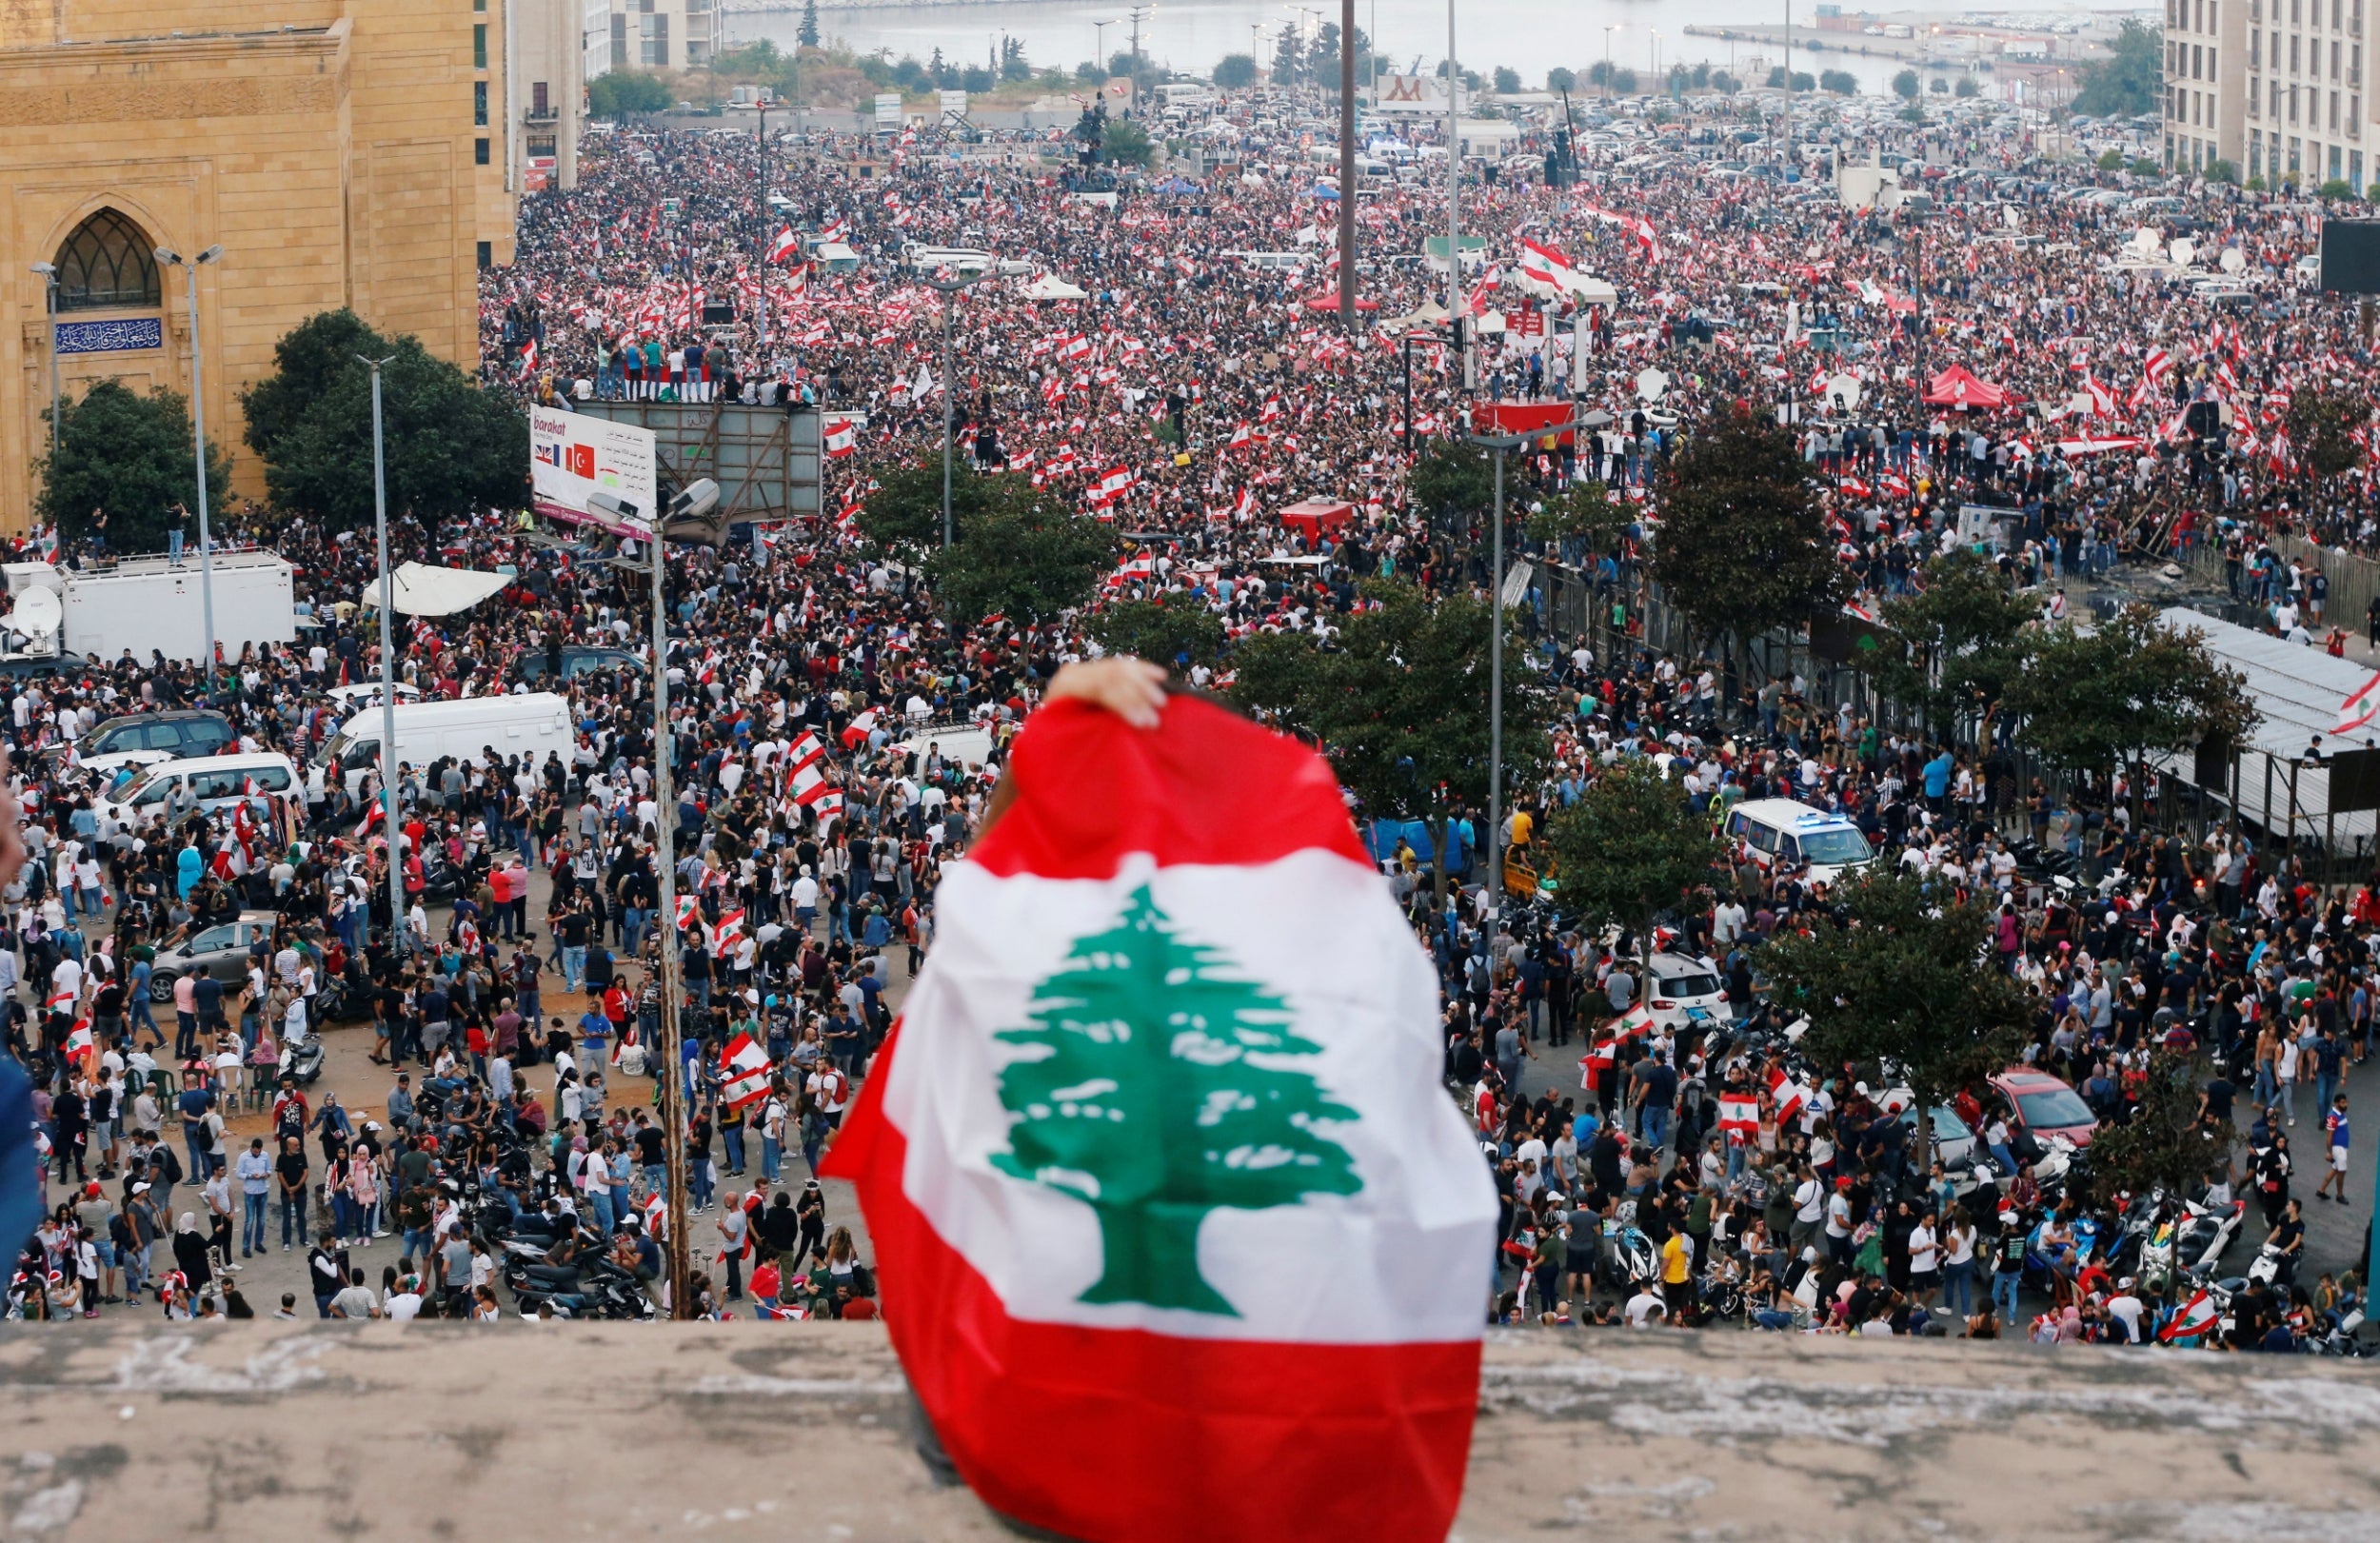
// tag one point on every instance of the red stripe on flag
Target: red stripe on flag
(1105, 1432)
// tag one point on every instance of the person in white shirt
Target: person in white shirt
(405, 1303)
(1645, 1309)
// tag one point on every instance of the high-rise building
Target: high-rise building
(358, 154)
(2206, 66)
(2302, 98)
(661, 34)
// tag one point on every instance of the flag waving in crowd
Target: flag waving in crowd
(1086, 1209)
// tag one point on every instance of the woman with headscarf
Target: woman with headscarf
(190, 1254)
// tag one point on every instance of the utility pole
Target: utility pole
(198, 435)
(1347, 166)
(768, 232)
(1789, 87)
(1139, 14)
(1496, 444)
(949, 288)
(388, 817)
(1453, 202)
(665, 865)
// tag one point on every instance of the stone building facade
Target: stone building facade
(364, 153)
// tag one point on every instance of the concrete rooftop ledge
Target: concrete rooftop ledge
(799, 1432)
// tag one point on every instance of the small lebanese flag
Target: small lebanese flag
(843, 437)
(828, 807)
(1636, 1020)
(855, 734)
(783, 246)
(1790, 1094)
(1179, 1236)
(728, 933)
(803, 752)
(2359, 708)
(743, 1071)
(1739, 1117)
(2196, 1317)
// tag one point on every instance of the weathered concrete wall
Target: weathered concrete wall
(798, 1431)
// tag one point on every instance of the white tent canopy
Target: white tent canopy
(423, 590)
(1050, 286)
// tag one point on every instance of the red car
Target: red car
(2045, 1106)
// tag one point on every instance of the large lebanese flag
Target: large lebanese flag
(1180, 1237)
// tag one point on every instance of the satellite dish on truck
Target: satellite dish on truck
(37, 613)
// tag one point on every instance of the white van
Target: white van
(205, 784)
(957, 259)
(1790, 832)
(530, 725)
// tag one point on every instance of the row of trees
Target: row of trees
(450, 446)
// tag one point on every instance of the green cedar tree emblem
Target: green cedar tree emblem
(1165, 1087)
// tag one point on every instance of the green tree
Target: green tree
(2111, 160)
(1902, 978)
(1631, 848)
(451, 447)
(1905, 86)
(1399, 703)
(1507, 80)
(1743, 545)
(307, 360)
(807, 34)
(1022, 557)
(1168, 630)
(1234, 72)
(1166, 1086)
(2131, 80)
(1961, 640)
(624, 93)
(1449, 479)
(129, 457)
(1966, 87)
(1125, 142)
(2322, 426)
(2092, 701)
(2226, 172)
(907, 509)
(2163, 1143)
(1841, 82)
(1560, 80)
(1584, 509)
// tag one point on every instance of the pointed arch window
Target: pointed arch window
(108, 263)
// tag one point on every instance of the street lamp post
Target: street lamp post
(949, 288)
(49, 272)
(171, 258)
(697, 500)
(1608, 29)
(1347, 166)
(1098, 42)
(1498, 444)
(388, 819)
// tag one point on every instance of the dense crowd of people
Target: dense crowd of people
(833, 738)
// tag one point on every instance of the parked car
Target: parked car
(577, 660)
(1681, 991)
(223, 948)
(2044, 1107)
(145, 739)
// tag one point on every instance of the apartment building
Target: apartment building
(2303, 109)
(660, 34)
(2206, 78)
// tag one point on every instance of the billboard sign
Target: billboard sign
(888, 111)
(573, 455)
(955, 108)
(1420, 94)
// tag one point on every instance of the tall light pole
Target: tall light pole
(171, 258)
(1347, 166)
(949, 288)
(1098, 42)
(1497, 444)
(390, 824)
(696, 500)
(49, 272)
(1454, 200)
(1789, 87)
(1608, 30)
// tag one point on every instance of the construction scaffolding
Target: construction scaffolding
(764, 459)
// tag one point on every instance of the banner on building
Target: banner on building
(888, 111)
(1423, 94)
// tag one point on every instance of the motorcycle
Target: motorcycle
(2191, 1242)
(302, 1059)
(1630, 1258)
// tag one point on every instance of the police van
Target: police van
(1793, 832)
